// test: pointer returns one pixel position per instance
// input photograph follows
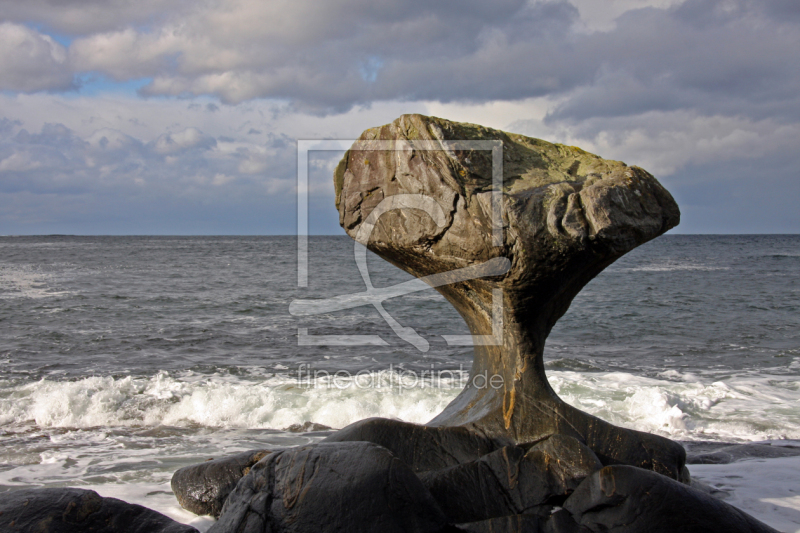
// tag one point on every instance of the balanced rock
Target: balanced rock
(345, 486)
(204, 487)
(625, 499)
(68, 510)
(509, 256)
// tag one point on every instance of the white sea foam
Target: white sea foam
(124, 437)
(683, 406)
(274, 402)
(686, 406)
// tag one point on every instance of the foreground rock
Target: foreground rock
(563, 215)
(623, 499)
(558, 522)
(203, 488)
(511, 481)
(66, 510)
(421, 448)
(347, 486)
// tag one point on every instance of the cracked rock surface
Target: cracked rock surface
(511, 481)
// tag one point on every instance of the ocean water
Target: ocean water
(126, 358)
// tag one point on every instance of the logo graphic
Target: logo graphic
(375, 296)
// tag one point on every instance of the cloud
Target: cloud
(75, 17)
(115, 174)
(630, 56)
(666, 142)
(696, 91)
(31, 61)
(188, 139)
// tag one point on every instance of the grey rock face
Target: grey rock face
(204, 487)
(565, 216)
(346, 486)
(67, 510)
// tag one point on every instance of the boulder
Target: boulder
(343, 486)
(420, 447)
(625, 499)
(509, 258)
(68, 510)
(565, 462)
(511, 481)
(204, 487)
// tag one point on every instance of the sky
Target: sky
(180, 117)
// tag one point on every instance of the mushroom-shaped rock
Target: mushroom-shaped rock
(509, 229)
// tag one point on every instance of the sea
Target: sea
(126, 358)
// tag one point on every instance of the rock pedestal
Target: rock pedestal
(422, 199)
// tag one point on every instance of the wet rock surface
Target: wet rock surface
(422, 448)
(345, 486)
(512, 481)
(557, 522)
(204, 487)
(626, 499)
(68, 510)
